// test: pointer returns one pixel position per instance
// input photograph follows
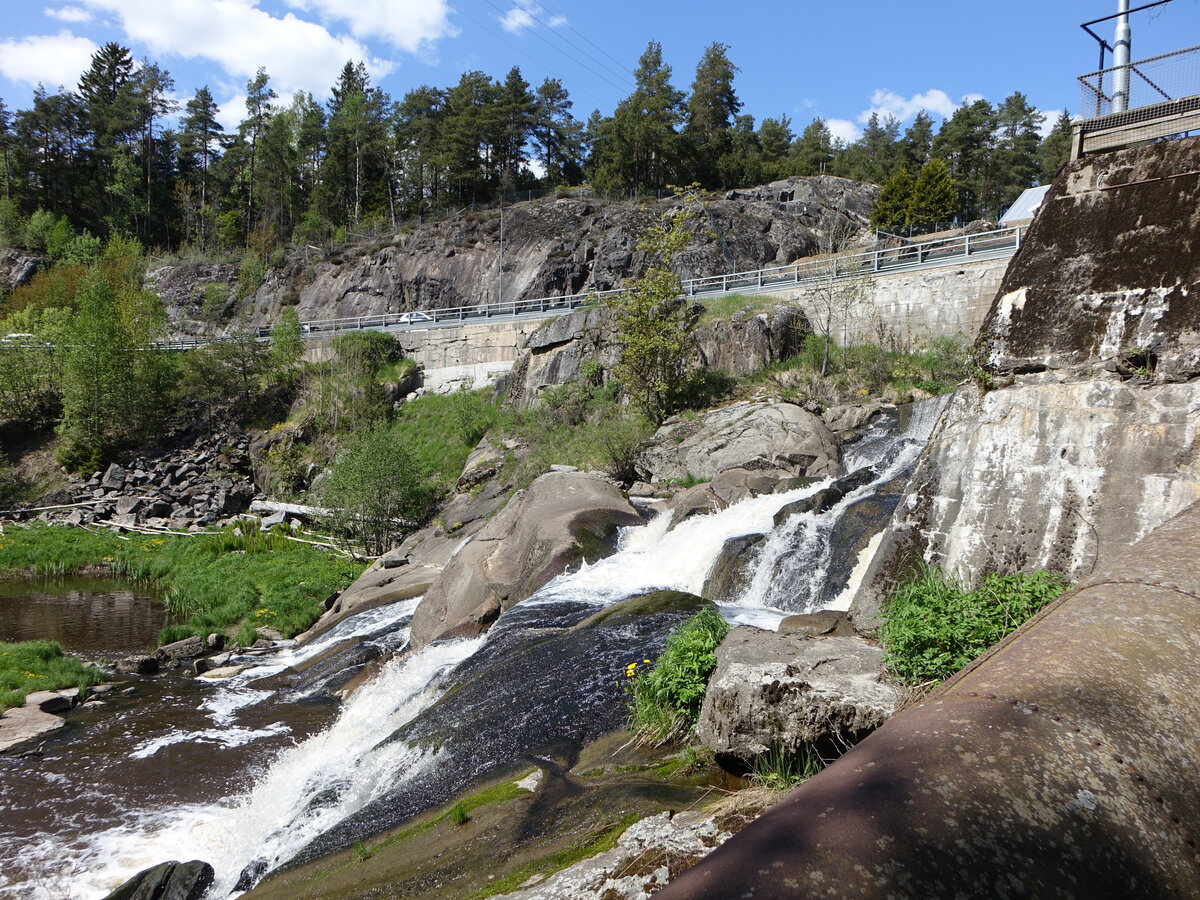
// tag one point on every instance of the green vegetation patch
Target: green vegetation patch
(39, 666)
(665, 701)
(211, 582)
(932, 627)
(600, 841)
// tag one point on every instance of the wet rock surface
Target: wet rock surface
(167, 881)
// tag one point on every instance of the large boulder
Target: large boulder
(755, 435)
(560, 520)
(727, 488)
(167, 881)
(783, 692)
(744, 344)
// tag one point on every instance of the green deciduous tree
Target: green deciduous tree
(113, 381)
(655, 322)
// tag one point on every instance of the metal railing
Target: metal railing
(1153, 80)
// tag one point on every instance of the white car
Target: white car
(414, 318)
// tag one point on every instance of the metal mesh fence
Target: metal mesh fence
(1152, 81)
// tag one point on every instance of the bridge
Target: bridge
(805, 274)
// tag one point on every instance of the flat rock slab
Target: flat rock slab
(22, 724)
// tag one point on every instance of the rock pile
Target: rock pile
(205, 484)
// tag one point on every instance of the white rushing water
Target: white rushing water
(318, 783)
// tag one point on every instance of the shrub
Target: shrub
(932, 627)
(376, 489)
(665, 702)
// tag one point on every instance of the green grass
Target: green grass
(665, 701)
(39, 666)
(932, 627)
(210, 583)
(781, 769)
(441, 430)
(731, 304)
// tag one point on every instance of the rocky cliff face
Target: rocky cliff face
(551, 247)
(1087, 438)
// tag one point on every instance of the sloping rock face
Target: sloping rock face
(1093, 443)
(781, 692)
(558, 521)
(182, 288)
(1110, 269)
(771, 437)
(16, 270)
(556, 247)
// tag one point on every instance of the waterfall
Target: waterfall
(537, 680)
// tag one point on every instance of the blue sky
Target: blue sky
(838, 60)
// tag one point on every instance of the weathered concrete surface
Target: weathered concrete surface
(1062, 764)
(784, 692)
(947, 301)
(470, 344)
(1109, 266)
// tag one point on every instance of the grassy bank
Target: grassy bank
(211, 582)
(39, 666)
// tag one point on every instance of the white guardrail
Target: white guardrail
(927, 254)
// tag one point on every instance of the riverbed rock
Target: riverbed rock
(23, 724)
(826, 498)
(560, 520)
(725, 489)
(188, 648)
(731, 571)
(53, 701)
(167, 881)
(784, 692)
(138, 665)
(646, 857)
(778, 438)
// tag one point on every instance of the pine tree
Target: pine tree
(515, 110)
(934, 197)
(966, 141)
(638, 147)
(1016, 155)
(917, 143)
(557, 135)
(198, 141)
(259, 95)
(712, 109)
(812, 153)
(892, 209)
(1055, 148)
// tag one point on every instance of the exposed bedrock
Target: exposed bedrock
(560, 520)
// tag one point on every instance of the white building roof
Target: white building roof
(1026, 206)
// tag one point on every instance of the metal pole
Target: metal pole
(1121, 48)
(500, 289)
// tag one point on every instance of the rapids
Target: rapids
(286, 778)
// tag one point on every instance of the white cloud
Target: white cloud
(889, 103)
(409, 25)
(240, 37)
(843, 130)
(73, 14)
(522, 15)
(52, 59)
(518, 17)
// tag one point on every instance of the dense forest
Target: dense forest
(118, 155)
